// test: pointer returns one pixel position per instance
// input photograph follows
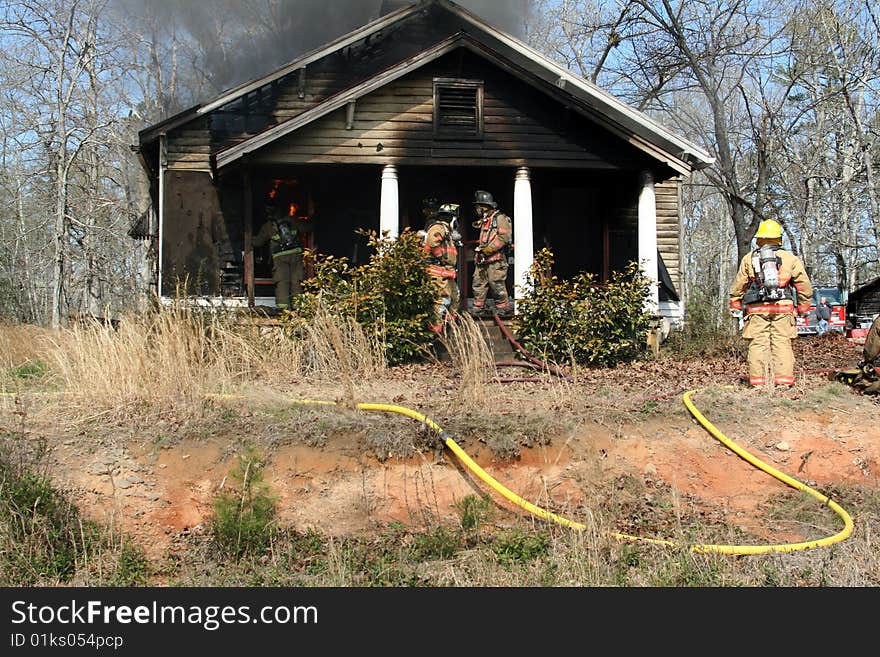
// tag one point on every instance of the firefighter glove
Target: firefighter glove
(736, 313)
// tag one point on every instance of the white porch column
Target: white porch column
(389, 204)
(648, 239)
(523, 251)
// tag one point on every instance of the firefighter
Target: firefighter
(866, 375)
(441, 257)
(770, 287)
(282, 233)
(490, 255)
(429, 207)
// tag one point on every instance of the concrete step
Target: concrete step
(501, 348)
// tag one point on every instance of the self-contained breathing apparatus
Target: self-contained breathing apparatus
(865, 376)
(493, 228)
(447, 216)
(286, 237)
(765, 284)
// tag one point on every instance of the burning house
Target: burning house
(426, 100)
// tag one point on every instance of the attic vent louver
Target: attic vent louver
(458, 109)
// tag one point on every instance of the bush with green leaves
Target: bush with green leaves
(391, 296)
(518, 546)
(582, 320)
(42, 536)
(245, 512)
(708, 330)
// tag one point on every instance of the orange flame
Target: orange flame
(292, 211)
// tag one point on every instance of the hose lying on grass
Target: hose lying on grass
(548, 515)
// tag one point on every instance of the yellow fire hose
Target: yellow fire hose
(548, 515)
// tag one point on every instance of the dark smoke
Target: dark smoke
(232, 41)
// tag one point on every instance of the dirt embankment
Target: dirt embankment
(158, 482)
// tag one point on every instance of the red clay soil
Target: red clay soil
(155, 492)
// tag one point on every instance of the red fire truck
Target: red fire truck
(809, 326)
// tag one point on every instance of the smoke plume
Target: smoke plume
(229, 42)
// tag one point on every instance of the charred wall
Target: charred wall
(195, 241)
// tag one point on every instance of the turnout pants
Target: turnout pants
(287, 274)
(491, 277)
(771, 356)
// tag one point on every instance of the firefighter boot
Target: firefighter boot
(849, 377)
(504, 309)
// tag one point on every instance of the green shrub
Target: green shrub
(132, 566)
(473, 512)
(244, 514)
(441, 542)
(518, 546)
(581, 320)
(391, 296)
(43, 536)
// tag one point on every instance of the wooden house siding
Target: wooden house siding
(190, 147)
(865, 301)
(666, 195)
(395, 124)
(303, 89)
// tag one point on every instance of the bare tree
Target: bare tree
(65, 117)
(783, 93)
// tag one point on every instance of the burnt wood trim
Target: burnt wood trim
(349, 114)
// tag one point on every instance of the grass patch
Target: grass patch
(45, 541)
(28, 371)
(518, 546)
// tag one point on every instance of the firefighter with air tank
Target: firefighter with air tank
(771, 286)
(491, 254)
(281, 232)
(441, 243)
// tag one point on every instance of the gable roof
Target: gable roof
(865, 290)
(480, 37)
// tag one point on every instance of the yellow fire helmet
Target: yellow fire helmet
(769, 229)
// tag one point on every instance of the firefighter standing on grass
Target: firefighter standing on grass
(490, 255)
(441, 258)
(770, 288)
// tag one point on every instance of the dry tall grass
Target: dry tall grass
(472, 358)
(21, 344)
(176, 355)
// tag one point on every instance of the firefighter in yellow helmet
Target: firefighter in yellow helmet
(770, 288)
